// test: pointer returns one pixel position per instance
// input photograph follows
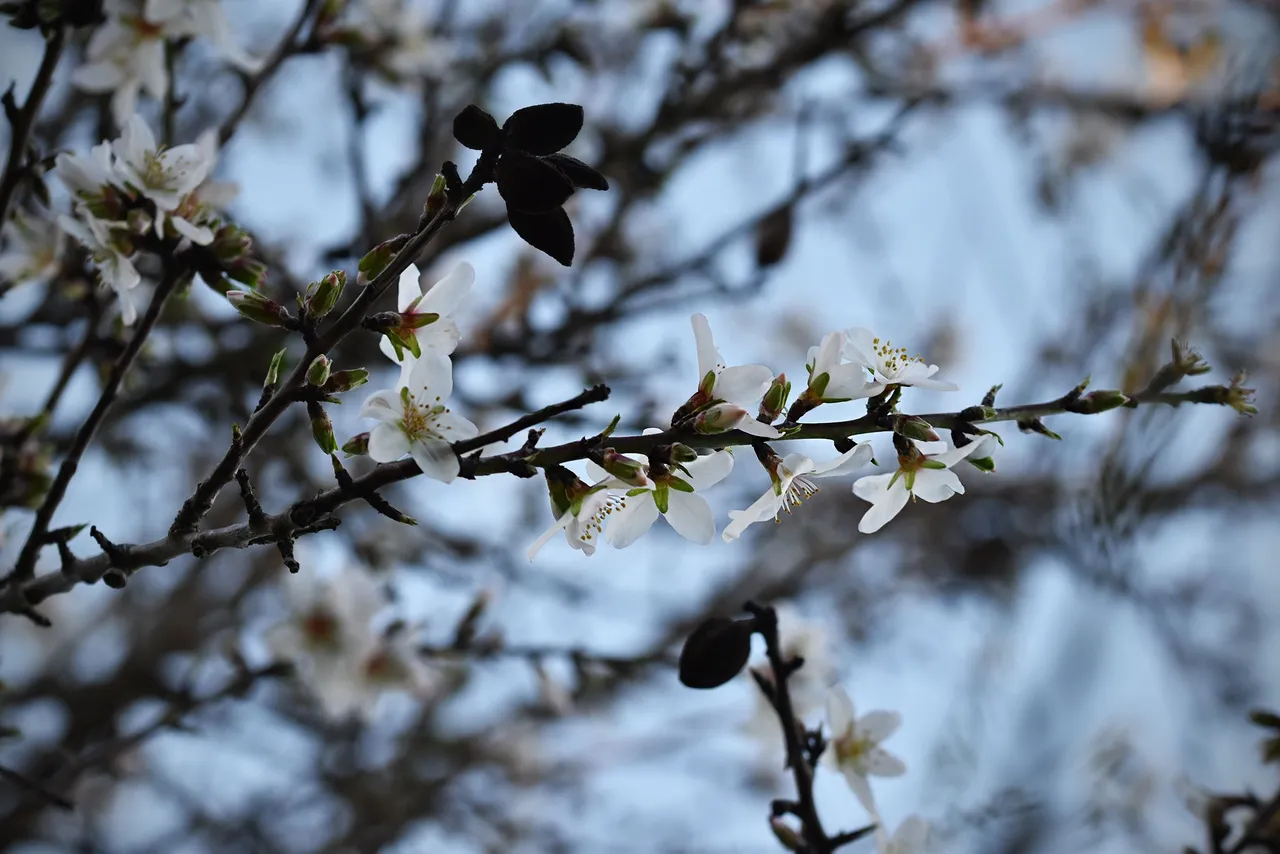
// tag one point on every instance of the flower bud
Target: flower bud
(323, 295)
(259, 309)
(1100, 401)
(1035, 425)
(625, 469)
(775, 399)
(436, 199)
(357, 445)
(973, 414)
(341, 381)
(683, 453)
(563, 487)
(719, 418)
(318, 372)
(785, 833)
(372, 264)
(273, 370)
(915, 427)
(382, 321)
(715, 652)
(321, 427)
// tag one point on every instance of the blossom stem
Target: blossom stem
(25, 119)
(25, 566)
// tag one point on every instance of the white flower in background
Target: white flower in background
(792, 483)
(399, 40)
(165, 176)
(115, 269)
(911, 837)
(200, 19)
(416, 421)
(443, 299)
(801, 637)
(329, 636)
(928, 477)
(671, 495)
(583, 521)
(87, 177)
(30, 248)
(831, 379)
(890, 365)
(855, 745)
(742, 384)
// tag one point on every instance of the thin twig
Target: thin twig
(26, 119)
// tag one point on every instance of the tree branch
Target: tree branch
(26, 119)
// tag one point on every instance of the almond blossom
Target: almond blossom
(831, 379)
(166, 176)
(32, 248)
(670, 495)
(415, 302)
(110, 252)
(742, 384)
(890, 365)
(415, 420)
(911, 837)
(928, 477)
(582, 520)
(399, 40)
(855, 745)
(792, 483)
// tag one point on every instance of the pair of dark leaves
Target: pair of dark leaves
(533, 178)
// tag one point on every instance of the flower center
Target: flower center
(893, 360)
(593, 525)
(320, 628)
(800, 488)
(421, 421)
(850, 749)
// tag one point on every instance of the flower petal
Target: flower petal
(556, 527)
(934, 485)
(629, 524)
(690, 515)
(860, 347)
(708, 356)
(407, 289)
(454, 428)
(764, 508)
(742, 384)
(955, 455)
(845, 463)
(434, 372)
(840, 713)
(383, 405)
(709, 470)
(881, 763)
(861, 788)
(912, 836)
(877, 726)
(387, 443)
(827, 356)
(847, 382)
(435, 457)
(890, 504)
(752, 427)
(446, 295)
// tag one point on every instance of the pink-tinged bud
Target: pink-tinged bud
(323, 295)
(372, 264)
(775, 399)
(318, 372)
(273, 370)
(915, 427)
(341, 381)
(629, 471)
(321, 427)
(681, 453)
(720, 418)
(357, 445)
(259, 309)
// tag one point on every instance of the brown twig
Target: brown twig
(26, 119)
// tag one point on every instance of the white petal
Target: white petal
(873, 487)
(442, 336)
(433, 372)
(955, 455)
(763, 509)
(797, 464)
(877, 726)
(840, 714)
(436, 458)
(709, 470)
(633, 520)
(861, 788)
(890, 504)
(912, 836)
(752, 427)
(934, 485)
(828, 353)
(448, 293)
(845, 463)
(387, 443)
(882, 763)
(691, 516)
(859, 347)
(556, 527)
(454, 428)
(384, 405)
(848, 382)
(408, 289)
(742, 384)
(936, 385)
(197, 234)
(708, 356)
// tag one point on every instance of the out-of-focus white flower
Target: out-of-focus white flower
(670, 495)
(31, 248)
(399, 41)
(799, 637)
(115, 269)
(890, 365)
(911, 837)
(791, 485)
(165, 176)
(200, 19)
(855, 745)
(415, 420)
(87, 177)
(928, 477)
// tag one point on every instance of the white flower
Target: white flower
(855, 745)
(203, 19)
(890, 365)
(443, 298)
(831, 379)
(911, 837)
(792, 484)
(918, 476)
(799, 637)
(416, 421)
(741, 384)
(32, 248)
(87, 177)
(165, 176)
(723, 417)
(672, 496)
(400, 39)
(115, 270)
(124, 56)
(582, 521)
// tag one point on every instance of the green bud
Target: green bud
(1100, 401)
(915, 427)
(341, 381)
(785, 834)
(973, 414)
(989, 399)
(247, 271)
(436, 199)
(775, 399)
(357, 445)
(323, 295)
(273, 370)
(1035, 425)
(629, 471)
(372, 264)
(719, 418)
(321, 427)
(259, 309)
(683, 453)
(318, 372)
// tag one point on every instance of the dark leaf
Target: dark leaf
(551, 232)
(715, 652)
(530, 184)
(543, 128)
(476, 129)
(582, 175)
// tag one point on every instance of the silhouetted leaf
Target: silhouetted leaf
(476, 129)
(543, 128)
(550, 232)
(582, 175)
(528, 184)
(715, 652)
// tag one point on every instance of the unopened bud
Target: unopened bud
(340, 381)
(1035, 425)
(720, 418)
(259, 309)
(1100, 401)
(372, 264)
(563, 488)
(974, 414)
(321, 427)
(715, 652)
(785, 833)
(357, 445)
(382, 321)
(915, 427)
(247, 271)
(989, 399)
(273, 370)
(318, 372)
(323, 295)
(625, 469)
(436, 199)
(230, 243)
(775, 399)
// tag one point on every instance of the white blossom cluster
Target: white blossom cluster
(128, 188)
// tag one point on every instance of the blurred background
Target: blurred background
(1027, 193)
